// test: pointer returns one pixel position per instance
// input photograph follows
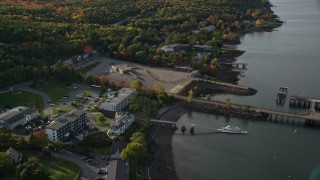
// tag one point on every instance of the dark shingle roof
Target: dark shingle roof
(16, 114)
(118, 146)
(117, 170)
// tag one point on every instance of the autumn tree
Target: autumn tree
(136, 84)
(190, 96)
(39, 139)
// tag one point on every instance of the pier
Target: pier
(311, 117)
(235, 65)
(299, 102)
(282, 95)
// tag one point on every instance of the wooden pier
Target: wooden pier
(235, 65)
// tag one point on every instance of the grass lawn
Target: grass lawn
(20, 98)
(88, 68)
(59, 169)
(64, 109)
(101, 120)
(55, 89)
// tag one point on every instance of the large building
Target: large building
(118, 169)
(20, 115)
(64, 126)
(122, 123)
(122, 100)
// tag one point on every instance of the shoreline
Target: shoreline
(227, 74)
(162, 164)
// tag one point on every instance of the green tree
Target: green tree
(57, 145)
(39, 139)
(32, 171)
(135, 153)
(6, 165)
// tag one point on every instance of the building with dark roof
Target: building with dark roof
(63, 126)
(121, 124)
(118, 168)
(15, 155)
(20, 115)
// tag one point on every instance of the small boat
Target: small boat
(231, 130)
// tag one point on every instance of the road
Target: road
(45, 98)
(88, 171)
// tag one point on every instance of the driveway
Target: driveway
(88, 172)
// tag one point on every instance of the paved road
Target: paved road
(45, 98)
(88, 172)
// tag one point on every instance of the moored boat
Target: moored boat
(231, 130)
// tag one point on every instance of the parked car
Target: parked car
(89, 160)
(84, 158)
(102, 171)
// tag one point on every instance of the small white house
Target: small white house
(121, 124)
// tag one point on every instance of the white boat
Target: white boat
(231, 130)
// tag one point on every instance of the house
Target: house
(203, 48)
(118, 168)
(176, 47)
(121, 124)
(63, 126)
(119, 102)
(122, 68)
(20, 115)
(15, 155)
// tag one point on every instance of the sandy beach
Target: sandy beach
(162, 166)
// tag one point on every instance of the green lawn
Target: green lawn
(88, 68)
(55, 89)
(101, 120)
(20, 98)
(58, 169)
(62, 110)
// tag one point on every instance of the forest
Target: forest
(35, 34)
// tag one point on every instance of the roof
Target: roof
(122, 94)
(117, 170)
(122, 120)
(123, 67)
(61, 121)
(118, 146)
(14, 154)
(16, 114)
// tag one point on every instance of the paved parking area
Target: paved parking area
(88, 171)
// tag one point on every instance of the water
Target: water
(286, 57)
(269, 152)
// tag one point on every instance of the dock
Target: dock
(235, 65)
(282, 95)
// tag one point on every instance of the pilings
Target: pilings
(285, 119)
(300, 102)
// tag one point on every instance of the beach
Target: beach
(162, 164)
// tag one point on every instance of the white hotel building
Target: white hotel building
(122, 100)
